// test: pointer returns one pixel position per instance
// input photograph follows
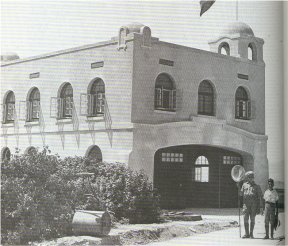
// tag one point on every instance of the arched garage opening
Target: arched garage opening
(196, 176)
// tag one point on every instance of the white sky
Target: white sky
(34, 27)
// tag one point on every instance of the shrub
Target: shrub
(126, 193)
(35, 200)
(40, 192)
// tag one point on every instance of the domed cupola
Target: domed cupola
(126, 32)
(238, 39)
(237, 29)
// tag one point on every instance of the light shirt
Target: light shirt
(271, 196)
(251, 193)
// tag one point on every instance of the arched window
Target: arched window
(9, 108)
(205, 98)
(242, 104)
(94, 153)
(31, 150)
(165, 93)
(34, 105)
(252, 52)
(6, 154)
(201, 169)
(66, 101)
(96, 98)
(224, 49)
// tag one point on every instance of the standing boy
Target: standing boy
(271, 199)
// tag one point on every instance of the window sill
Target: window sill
(243, 120)
(32, 123)
(95, 118)
(160, 111)
(206, 115)
(64, 121)
(6, 125)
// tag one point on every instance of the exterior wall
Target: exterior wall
(74, 66)
(149, 138)
(154, 129)
(119, 152)
(192, 66)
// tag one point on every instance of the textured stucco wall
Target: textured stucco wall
(191, 67)
(74, 66)
(149, 138)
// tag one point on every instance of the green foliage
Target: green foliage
(40, 192)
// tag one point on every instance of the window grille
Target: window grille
(242, 104)
(201, 169)
(165, 99)
(231, 160)
(165, 93)
(9, 108)
(172, 157)
(62, 107)
(205, 99)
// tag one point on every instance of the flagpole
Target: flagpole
(236, 10)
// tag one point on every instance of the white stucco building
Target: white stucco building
(186, 116)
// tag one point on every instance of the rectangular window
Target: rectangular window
(231, 160)
(243, 109)
(67, 106)
(166, 62)
(243, 76)
(10, 112)
(205, 105)
(97, 64)
(202, 174)
(100, 103)
(34, 75)
(165, 99)
(35, 109)
(61, 107)
(172, 157)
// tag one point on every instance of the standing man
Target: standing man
(252, 203)
(271, 201)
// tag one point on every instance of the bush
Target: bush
(126, 193)
(40, 192)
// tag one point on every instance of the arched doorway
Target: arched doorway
(195, 176)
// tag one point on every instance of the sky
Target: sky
(33, 27)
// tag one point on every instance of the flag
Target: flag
(205, 5)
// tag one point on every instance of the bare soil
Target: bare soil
(143, 234)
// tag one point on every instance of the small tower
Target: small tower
(237, 39)
(126, 32)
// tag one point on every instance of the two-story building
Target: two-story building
(183, 115)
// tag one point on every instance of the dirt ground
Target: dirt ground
(141, 234)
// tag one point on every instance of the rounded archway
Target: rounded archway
(94, 153)
(5, 154)
(180, 172)
(224, 49)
